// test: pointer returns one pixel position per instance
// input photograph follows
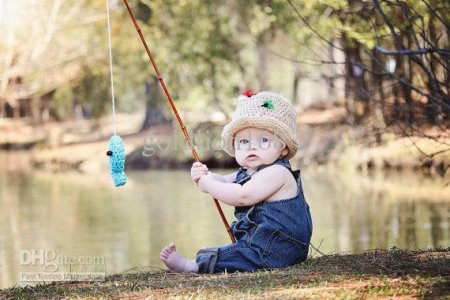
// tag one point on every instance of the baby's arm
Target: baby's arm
(228, 178)
(262, 185)
(198, 170)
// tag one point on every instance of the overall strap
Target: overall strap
(280, 161)
(242, 177)
(283, 162)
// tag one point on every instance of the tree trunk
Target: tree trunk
(447, 74)
(349, 88)
(297, 76)
(153, 113)
(330, 78)
(433, 110)
(379, 94)
(45, 110)
(16, 108)
(35, 115)
(356, 94)
(263, 60)
(215, 89)
(399, 97)
(2, 108)
(409, 116)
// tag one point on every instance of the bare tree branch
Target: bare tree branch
(412, 52)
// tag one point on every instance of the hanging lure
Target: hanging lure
(116, 155)
(116, 151)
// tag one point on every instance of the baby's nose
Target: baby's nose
(254, 145)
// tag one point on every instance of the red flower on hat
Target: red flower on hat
(248, 93)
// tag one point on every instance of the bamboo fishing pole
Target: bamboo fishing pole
(175, 111)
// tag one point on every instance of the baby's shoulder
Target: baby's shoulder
(280, 177)
(277, 171)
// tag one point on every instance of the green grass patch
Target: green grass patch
(374, 274)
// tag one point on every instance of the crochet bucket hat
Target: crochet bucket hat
(265, 110)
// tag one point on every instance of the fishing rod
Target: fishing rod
(175, 111)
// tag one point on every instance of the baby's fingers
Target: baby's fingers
(200, 167)
(197, 172)
(197, 176)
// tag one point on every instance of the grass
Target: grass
(398, 273)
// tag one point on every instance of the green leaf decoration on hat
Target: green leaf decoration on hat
(268, 103)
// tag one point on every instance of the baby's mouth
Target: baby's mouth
(252, 156)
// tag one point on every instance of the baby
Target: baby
(273, 227)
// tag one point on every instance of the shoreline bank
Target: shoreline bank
(373, 274)
(325, 140)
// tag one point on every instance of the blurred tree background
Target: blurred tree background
(388, 59)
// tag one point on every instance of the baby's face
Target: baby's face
(254, 147)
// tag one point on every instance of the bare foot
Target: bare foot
(176, 262)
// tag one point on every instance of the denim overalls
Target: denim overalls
(272, 234)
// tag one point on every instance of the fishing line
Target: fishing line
(111, 70)
(116, 147)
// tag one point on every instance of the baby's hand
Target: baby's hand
(204, 180)
(198, 170)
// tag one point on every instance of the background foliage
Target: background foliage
(54, 55)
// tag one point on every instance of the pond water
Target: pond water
(84, 216)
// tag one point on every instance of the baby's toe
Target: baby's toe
(172, 247)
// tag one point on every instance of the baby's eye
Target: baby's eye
(264, 140)
(243, 141)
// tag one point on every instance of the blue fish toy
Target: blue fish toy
(116, 155)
